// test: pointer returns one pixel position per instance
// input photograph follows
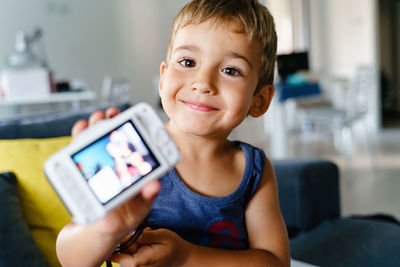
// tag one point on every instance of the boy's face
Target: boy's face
(208, 86)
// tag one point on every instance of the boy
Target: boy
(219, 206)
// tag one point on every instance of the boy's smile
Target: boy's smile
(199, 106)
(208, 85)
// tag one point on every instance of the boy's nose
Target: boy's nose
(203, 88)
(203, 84)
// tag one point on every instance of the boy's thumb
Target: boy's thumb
(149, 237)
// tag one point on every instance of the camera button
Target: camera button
(169, 151)
(161, 136)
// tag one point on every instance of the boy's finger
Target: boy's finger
(140, 205)
(150, 190)
(112, 112)
(131, 249)
(96, 117)
(151, 237)
(145, 256)
(121, 258)
(78, 127)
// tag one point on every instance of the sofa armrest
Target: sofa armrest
(51, 124)
(308, 192)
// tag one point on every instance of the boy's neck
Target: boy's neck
(207, 158)
(198, 146)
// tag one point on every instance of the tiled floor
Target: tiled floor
(369, 179)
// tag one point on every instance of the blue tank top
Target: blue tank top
(208, 221)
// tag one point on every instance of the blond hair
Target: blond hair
(257, 24)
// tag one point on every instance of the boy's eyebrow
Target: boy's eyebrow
(193, 48)
(236, 55)
(187, 47)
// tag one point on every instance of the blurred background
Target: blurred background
(337, 77)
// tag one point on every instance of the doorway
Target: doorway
(389, 42)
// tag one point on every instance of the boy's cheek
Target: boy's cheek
(173, 82)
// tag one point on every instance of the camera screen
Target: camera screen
(114, 162)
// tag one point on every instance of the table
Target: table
(16, 106)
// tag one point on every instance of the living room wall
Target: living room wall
(89, 39)
(343, 37)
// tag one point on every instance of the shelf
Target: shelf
(50, 98)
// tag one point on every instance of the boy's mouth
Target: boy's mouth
(199, 106)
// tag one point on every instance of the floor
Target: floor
(369, 178)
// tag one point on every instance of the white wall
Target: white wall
(343, 37)
(348, 29)
(79, 36)
(281, 11)
(143, 31)
(91, 38)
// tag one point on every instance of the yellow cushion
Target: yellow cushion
(113, 264)
(43, 210)
(45, 213)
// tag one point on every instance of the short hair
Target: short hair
(257, 24)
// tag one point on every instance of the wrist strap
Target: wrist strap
(132, 239)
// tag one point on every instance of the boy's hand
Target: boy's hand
(156, 248)
(95, 117)
(123, 219)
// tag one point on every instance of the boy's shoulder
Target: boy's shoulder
(251, 152)
(244, 145)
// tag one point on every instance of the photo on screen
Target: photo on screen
(114, 162)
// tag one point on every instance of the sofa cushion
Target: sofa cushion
(17, 245)
(43, 210)
(349, 242)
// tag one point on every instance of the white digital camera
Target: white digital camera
(110, 162)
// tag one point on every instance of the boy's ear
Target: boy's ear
(262, 100)
(163, 69)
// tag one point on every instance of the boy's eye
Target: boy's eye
(231, 71)
(187, 63)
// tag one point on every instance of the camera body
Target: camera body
(109, 163)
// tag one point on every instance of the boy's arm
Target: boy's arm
(266, 229)
(90, 245)
(79, 245)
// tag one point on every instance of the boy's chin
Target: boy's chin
(203, 131)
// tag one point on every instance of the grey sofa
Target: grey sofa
(308, 195)
(309, 199)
